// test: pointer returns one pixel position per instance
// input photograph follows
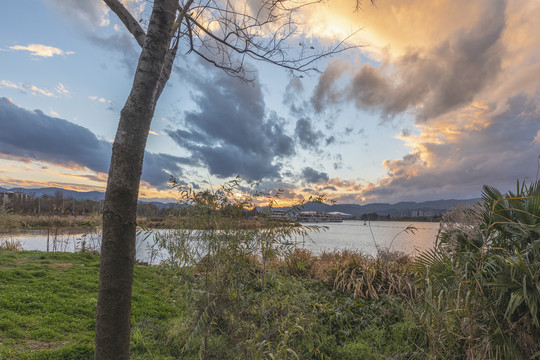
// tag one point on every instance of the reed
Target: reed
(361, 275)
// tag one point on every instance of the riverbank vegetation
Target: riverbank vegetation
(66, 224)
(246, 294)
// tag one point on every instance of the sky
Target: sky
(434, 100)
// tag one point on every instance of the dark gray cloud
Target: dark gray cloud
(311, 175)
(122, 43)
(231, 132)
(496, 151)
(294, 88)
(473, 61)
(91, 12)
(157, 168)
(32, 135)
(434, 81)
(308, 137)
(338, 162)
(325, 92)
(35, 135)
(330, 140)
(293, 97)
(406, 132)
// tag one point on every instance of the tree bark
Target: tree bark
(119, 214)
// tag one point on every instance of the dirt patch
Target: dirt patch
(41, 345)
(61, 265)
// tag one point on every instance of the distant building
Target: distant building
(279, 214)
(341, 215)
(317, 216)
(10, 197)
(422, 213)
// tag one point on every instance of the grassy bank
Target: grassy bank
(48, 300)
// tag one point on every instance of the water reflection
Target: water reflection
(350, 235)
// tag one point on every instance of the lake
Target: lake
(367, 237)
(350, 235)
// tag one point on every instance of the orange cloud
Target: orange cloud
(42, 50)
(27, 183)
(391, 28)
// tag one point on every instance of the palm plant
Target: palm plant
(487, 283)
(513, 220)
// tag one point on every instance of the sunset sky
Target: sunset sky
(439, 98)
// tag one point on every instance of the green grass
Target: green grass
(48, 303)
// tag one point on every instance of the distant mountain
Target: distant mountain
(51, 191)
(410, 208)
(161, 206)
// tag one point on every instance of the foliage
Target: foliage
(222, 259)
(291, 317)
(10, 244)
(482, 283)
(230, 292)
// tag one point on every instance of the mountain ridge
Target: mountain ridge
(399, 209)
(402, 208)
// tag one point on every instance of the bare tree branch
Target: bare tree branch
(225, 35)
(128, 20)
(171, 55)
(272, 51)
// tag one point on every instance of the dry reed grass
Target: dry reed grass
(363, 276)
(10, 244)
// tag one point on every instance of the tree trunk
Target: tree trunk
(120, 207)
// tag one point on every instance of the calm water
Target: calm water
(352, 235)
